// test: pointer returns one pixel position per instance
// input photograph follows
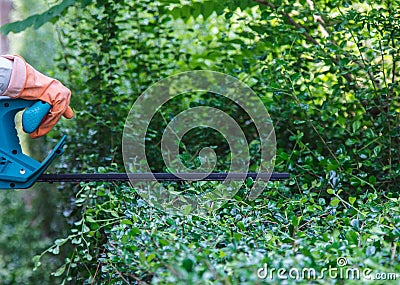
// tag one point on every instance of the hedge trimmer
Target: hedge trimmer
(18, 170)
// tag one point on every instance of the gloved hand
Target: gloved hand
(29, 84)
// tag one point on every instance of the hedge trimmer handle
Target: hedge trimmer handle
(18, 170)
(34, 115)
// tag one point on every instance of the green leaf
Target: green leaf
(56, 250)
(90, 219)
(207, 9)
(356, 125)
(240, 225)
(36, 261)
(372, 179)
(186, 12)
(188, 263)
(237, 236)
(377, 150)
(258, 29)
(196, 10)
(142, 257)
(38, 20)
(59, 271)
(114, 214)
(126, 222)
(352, 237)
(335, 202)
(176, 13)
(296, 220)
(151, 257)
(355, 223)
(243, 4)
(249, 182)
(186, 209)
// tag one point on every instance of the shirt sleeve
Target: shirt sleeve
(6, 66)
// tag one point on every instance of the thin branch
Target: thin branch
(362, 63)
(394, 57)
(97, 269)
(291, 21)
(308, 37)
(318, 19)
(393, 252)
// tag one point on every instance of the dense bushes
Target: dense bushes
(121, 240)
(330, 86)
(327, 73)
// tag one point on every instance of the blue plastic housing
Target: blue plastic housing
(18, 170)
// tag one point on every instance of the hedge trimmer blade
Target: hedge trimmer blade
(18, 170)
(125, 177)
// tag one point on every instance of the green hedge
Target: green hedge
(327, 72)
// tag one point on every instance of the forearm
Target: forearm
(19, 76)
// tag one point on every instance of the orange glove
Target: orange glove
(29, 84)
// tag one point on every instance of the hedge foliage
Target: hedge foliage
(327, 71)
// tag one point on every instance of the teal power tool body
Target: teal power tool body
(18, 170)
